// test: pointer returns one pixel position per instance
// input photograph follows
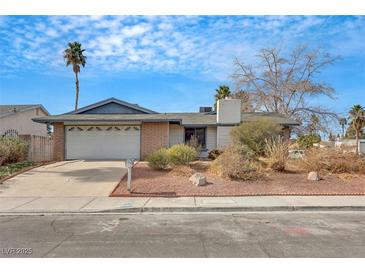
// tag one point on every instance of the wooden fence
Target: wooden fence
(40, 147)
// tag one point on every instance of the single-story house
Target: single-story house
(17, 120)
(115, 129)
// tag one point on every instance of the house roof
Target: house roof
(187, 119)
(7, 110)
(83, 115)
(112, 100)
(182, 118)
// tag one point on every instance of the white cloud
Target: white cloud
(180, 44)
(135, 30)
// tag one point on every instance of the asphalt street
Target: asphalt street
(250, 234)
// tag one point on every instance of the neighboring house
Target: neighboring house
(114, 129)
(350, 145)
(17, 120)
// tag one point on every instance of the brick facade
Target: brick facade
(59, 141)
(153, 137)
(286, 133)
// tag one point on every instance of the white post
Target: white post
(129, 178)
(129, 165)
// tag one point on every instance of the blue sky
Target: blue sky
(166, 63)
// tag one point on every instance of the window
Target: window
(199, 133)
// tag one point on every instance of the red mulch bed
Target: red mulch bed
(149, 182)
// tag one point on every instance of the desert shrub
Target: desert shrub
(307, 141)
(252, 134)
(159, 159)
(233, 165)
(12, 150)
(332, 161)
(181, 154)
(4, 151)
(214, 153)
(277, 153)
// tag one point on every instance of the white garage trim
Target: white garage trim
(97, 142)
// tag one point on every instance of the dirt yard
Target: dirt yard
(149, 182)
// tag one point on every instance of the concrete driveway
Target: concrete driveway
(66, 179)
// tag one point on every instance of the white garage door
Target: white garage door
(102, 142)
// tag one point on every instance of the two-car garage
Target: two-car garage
(102, 142)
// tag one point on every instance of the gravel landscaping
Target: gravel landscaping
(162, 183)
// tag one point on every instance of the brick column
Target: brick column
(153, 137)
(58, 142)
(286, 133)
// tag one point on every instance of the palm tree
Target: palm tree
(343, 122)
(221, 93)
(357, 114)
(74, 56)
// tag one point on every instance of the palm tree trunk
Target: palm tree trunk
(77, 92)
(357, 142)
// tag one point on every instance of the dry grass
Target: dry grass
(332, 161)
(183, 171)
(277, 153)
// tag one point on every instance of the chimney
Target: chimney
(229, 111)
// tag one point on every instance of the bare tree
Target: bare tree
(244, 96)
(284, 84)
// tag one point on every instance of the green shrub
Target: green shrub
(233, 165)
(11, 168)
(181, 154)
(159, 159)
(12, 150)
(4, 151)
(213, 154)
(252, 135)
(277, 151)
(307, 141)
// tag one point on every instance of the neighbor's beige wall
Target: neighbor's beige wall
(22, 122)
(58, 141)
(153, 137)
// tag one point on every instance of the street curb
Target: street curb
(199, 209)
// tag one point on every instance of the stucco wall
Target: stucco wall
(22, 122)
(211, 138)
(176, 135)
(153, 137)
(223, 136)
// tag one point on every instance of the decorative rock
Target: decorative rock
(313, 176)
(198, 179)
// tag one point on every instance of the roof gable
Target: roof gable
(7, 110)
(112, 106)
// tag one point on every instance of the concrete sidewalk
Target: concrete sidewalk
(11, 205)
